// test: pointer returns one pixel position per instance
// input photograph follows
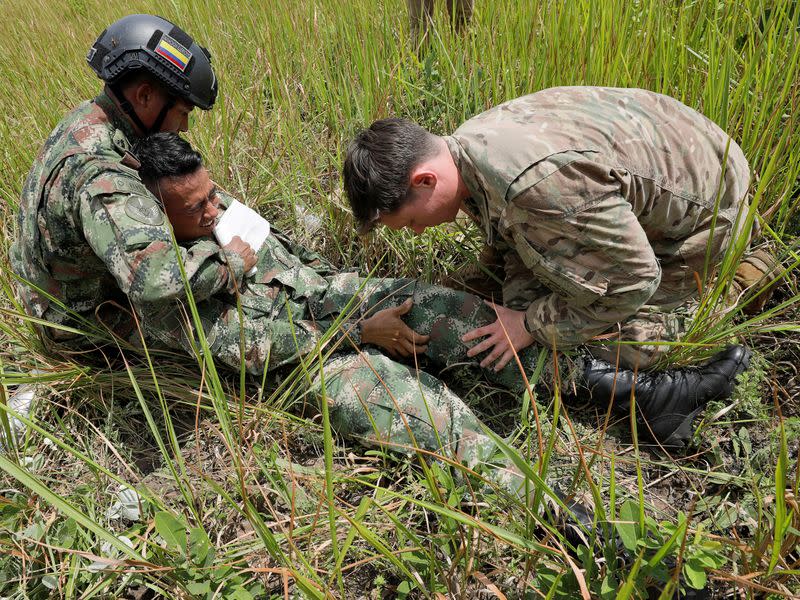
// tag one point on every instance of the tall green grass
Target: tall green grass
(232, 510)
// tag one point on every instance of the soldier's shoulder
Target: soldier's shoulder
(81, 113)
(104, 175)
(88, 115)
(124, 199)
(92, 132)
(84, 131)
(100, 151)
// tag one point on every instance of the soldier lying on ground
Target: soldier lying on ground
(608, 205)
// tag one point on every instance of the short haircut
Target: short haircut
(165, 154)
(378, 166)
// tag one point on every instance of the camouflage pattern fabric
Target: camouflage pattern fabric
(295, 298)
(385, 403)
(91, 235)
(609, 200)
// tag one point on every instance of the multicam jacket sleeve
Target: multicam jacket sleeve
(127, 229)
(576, 233)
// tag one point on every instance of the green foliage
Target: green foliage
(656, 556)
(236, 499)
(661, 545)
(195, 566)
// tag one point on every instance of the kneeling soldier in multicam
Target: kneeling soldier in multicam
(606, 203)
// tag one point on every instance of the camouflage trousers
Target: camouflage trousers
(372, 397)
(641, 333)
(384, 402)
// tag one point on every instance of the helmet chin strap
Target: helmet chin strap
(156, 127)
(128, 109)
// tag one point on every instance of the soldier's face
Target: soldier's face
(428, 207)
(191, 203)
(177, 118)
(149, 100)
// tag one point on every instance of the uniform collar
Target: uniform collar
(476, 203)
(115, 116)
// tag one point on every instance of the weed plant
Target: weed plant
(155, 475)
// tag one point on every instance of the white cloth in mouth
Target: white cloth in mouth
(243, 221)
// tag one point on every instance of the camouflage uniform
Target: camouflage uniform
(609, 200)
(295, 298)
(91, 235)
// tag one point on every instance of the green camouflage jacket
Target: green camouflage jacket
(607, 198)
(91, 235)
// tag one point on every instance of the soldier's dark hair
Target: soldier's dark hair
(378, 165)
(165, 155)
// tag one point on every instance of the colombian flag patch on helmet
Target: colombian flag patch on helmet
(173, 52)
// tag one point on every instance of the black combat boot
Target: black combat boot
(666, 401)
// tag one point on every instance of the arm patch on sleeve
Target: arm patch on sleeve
(144, 209)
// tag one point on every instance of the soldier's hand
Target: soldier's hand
(238, 246)
(503, 338)
(387, 330)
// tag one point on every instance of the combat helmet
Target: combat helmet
(162, 49)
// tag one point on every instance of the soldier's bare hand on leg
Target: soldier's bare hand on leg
(238, 246)
(502, 338)
(387, 330)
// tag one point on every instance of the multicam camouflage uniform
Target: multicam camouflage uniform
(295, 298)
(91, 235)
(609, 200)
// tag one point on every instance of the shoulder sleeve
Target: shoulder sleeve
(578, 236)
(126, 227)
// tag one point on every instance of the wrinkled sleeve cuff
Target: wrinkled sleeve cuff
(531, 325)
(236, 267)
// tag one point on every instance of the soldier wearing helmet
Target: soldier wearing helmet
(92, 238)
(146, 49)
